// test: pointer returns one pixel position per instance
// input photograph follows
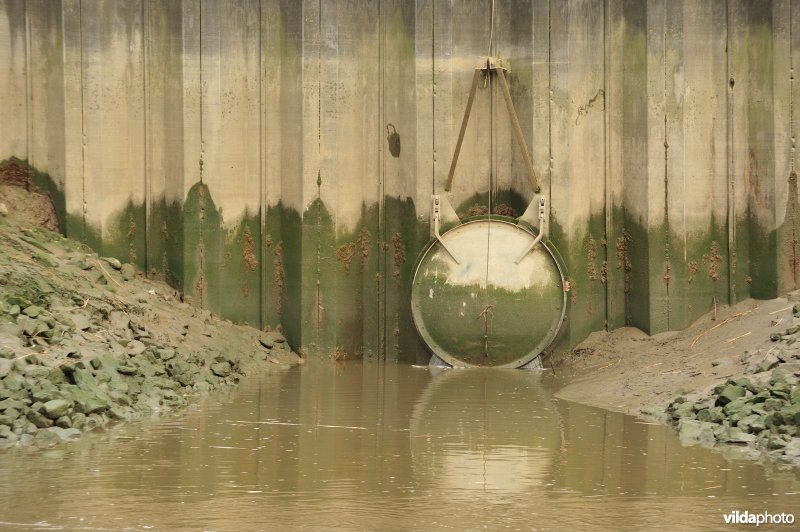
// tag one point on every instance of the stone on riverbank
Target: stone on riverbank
(76, 355)
(692, 430)
(762, 415)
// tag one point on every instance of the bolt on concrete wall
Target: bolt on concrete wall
(275, 159)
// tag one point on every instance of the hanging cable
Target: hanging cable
(491, 32)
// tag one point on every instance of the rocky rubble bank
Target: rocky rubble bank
(86, 341)
(759, 411)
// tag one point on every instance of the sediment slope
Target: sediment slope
(86, 341)
(729, 380)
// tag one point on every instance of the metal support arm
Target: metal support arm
(436, 220)
(544, 222)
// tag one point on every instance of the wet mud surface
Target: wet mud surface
(741, 367)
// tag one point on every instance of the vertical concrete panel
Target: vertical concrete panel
(231, 157)
(366, 128)
(164, 138)
(343, 221)
(759, 110)
(406, 166)
(191, 36)
(46, 102)
(789, 237)
(188, 188)
(13, 80)
(461, 38)
(675, 164)
(283, 158)
(613, 268)
(631, 250)
(309, 256)
(73, 120)
(540, 93)
(696, 120)
(577, 185)
(738, 147)
(514, 41)
(786, 203)
(113, 124)
(425, 89)
(230, 106)
(654, 233)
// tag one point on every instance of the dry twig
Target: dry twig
(739, 315)
(107, 274)
(740, 336)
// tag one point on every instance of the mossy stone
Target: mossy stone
(729, 393)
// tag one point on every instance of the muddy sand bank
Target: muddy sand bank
(731, 379)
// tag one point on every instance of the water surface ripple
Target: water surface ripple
(386, 447)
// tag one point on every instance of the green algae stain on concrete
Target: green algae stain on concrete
(754, 266)
(239, 291)
(318, 280)
(78, 229)
(124, 235)
(221, 265)
(283, 275)
(615, 268)
(202, 238)
(707, 274)
(340, 293)
(633, 254)
(165, 242)
(357, 294)
(404, 238)
(504, 202)
(583, 254)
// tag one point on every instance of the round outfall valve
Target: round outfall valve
(488, 293)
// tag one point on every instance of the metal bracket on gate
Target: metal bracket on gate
(544, 226)
(437, 214)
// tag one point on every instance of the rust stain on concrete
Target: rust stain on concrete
(345, 254)
(624, 263)
(792, 238)
(399, 255)
(692, 271)
(280, 277)
(591, 257)
(249, 252)
(713, 261)
(364, 242)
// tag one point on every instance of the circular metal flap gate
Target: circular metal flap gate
(493, 306)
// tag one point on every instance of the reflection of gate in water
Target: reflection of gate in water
(495, 429)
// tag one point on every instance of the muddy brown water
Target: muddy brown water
(387, 447)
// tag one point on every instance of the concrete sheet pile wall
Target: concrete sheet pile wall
(275, 159)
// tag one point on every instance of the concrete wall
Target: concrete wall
(244, 150)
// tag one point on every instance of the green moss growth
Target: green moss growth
(124, 235)
(165, 243)
(406, 236)
(283, 274)
(583, 254)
